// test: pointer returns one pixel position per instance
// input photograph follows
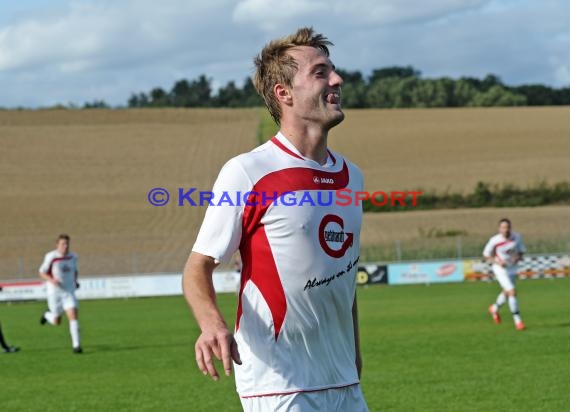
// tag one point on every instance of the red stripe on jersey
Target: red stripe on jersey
(262, 270)
(501, 244)
(288, 180)
(67, 257)
(282, 147)
(286, 150)
(332, 157)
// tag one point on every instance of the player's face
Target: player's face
(62, 246)
(316, 88)
(505, 229)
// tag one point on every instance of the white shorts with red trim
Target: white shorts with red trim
(346, 399)
(506, 278)
(61, 300)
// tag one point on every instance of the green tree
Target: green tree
(158, 98)
(497, 96)
(463, 92)
(250, 96)
(353, 89)
(181, 94)
(393, 71)
(96, 104)
(382, 93)
(230, 96)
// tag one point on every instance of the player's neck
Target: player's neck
(309, 140)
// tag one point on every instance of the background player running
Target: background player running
(59, 270)
(504, 250)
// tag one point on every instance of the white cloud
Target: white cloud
(93, 34)
(272, 14)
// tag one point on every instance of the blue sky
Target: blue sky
(61, 51)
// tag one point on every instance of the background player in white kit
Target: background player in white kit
(296, 342)
(504, 250)
(59, 270)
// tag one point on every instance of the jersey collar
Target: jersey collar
(284, 144)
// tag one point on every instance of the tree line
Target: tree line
(389, 87)
(483, 195)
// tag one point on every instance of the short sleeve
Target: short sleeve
(44, 268)
(220, 234)
(488, 250)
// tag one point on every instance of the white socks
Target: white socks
(74, 332)
(501, 299)
(514, 306)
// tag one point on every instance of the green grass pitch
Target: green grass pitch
(425, 348)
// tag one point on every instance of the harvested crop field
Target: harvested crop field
(88, 173)
(440, 149)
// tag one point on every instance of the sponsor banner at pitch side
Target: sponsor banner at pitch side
(425, 272)
(372, 274)
(167, 284)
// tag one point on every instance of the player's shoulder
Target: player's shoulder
(516, 236)
(240, 172)
(254, 163)
(52, 254)
(262, 153)
(73, 255)
(496, 238)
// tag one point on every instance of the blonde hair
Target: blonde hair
(274, 65)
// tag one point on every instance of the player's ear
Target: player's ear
(283, 94)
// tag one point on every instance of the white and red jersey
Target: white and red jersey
(505, 250)
(62, 268)
(300, 251)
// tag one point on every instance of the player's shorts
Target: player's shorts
(347, 399)
(61, 300)
(506, 278)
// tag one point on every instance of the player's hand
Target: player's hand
(77, 285)
(219, 343)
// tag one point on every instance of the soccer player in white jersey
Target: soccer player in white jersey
(504, 251)
(59, 270)
(295, 346)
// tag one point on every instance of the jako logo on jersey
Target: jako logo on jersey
(328, 180)
(332, 237)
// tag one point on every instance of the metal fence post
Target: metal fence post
(459, 247)
(398, 250)
(134, 263)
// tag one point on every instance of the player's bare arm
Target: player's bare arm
(357, 337)
(216, 338)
